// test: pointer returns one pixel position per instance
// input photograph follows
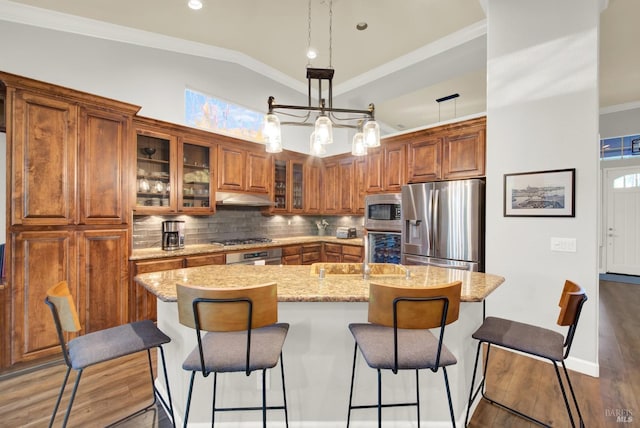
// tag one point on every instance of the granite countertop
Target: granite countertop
(189, 250)
(298, 284)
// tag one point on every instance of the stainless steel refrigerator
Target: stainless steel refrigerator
(443, 224)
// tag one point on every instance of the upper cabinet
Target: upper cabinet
(340, 185)
(173, 169)
(243, 168)
(448, 152)
(288, 183)
(313, 171)
(385, 168)
(68, 155)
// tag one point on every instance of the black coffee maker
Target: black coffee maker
(172, 234)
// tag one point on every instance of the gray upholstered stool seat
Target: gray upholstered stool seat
(417, 349)
(532, 340)
(522, 337)
(115, 342)
(226, 351)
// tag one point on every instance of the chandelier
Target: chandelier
(323, 116)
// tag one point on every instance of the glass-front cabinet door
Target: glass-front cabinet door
(153, 172)
(280, 197)
(297, 186)
(195, 177)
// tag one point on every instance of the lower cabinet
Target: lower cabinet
(339, 253)
(142, 303)
(311, 253)
(93, 262)
(292, 255)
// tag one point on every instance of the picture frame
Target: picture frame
(540, 193)
(3, 114)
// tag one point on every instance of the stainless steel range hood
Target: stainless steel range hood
(242, 199)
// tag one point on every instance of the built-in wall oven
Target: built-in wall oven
(383, 228)
(383, 212)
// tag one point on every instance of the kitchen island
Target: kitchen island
(318, 351)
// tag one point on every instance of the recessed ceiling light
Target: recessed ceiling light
(195, 4)
(361, 26)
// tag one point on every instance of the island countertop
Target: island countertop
(298, 284)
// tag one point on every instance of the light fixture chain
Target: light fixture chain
(309, 36)
(330, 32)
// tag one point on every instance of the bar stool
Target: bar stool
(397, 336)
(100, 346)
(242, 335)
(533, 340)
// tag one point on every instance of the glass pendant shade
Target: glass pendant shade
(371, 131)
(272, 134)
(316, 148)
(358, 147)
(324, 130)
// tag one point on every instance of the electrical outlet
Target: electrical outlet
(567, 245)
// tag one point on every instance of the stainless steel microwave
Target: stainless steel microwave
(383, 212)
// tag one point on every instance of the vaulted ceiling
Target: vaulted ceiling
(412, 52)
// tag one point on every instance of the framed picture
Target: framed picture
(540, 194)
(2, 110)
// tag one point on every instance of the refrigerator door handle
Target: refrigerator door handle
(434, 221)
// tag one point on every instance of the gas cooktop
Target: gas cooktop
(246, 241)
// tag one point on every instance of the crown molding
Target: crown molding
(620, 107)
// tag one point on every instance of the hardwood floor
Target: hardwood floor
(531, 386)
(111, 390)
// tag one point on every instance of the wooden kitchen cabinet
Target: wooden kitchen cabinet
(313, 172)
(352, 254)
(449, 152)
(41, 259)
(464, 153)
(205, 260)
(340, 253)
(94, 264)
(195, 192)
(424, 160)
(331, 187)
(339, 185)
(292, 255)
(69, 210)
(311, 253)
(142, 304)
(332, 253)
(103, 278)
(360, 185)
(174, 169)
(241, 168)
(385, 168)
(288, 184)
(44, 140)
(103, 168)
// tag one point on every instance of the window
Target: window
(620, 147)
(627, 181)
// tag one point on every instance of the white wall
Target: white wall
(620, 123)
(151, 78)
(542, 114)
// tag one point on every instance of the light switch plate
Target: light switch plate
(567, 245)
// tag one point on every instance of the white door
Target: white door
(623, 220)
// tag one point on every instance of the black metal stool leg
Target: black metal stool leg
(418, 398)
(284, 394)
(446, 384)
(472, 394)
(353, 372)
(213, 406)
(73, 396)
(264, 398)
(379, 399)
(64, 384)
(186, 411)
(166, 380)
(573, 394)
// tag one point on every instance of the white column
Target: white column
(542, 114)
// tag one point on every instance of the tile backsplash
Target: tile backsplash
(237, 222)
